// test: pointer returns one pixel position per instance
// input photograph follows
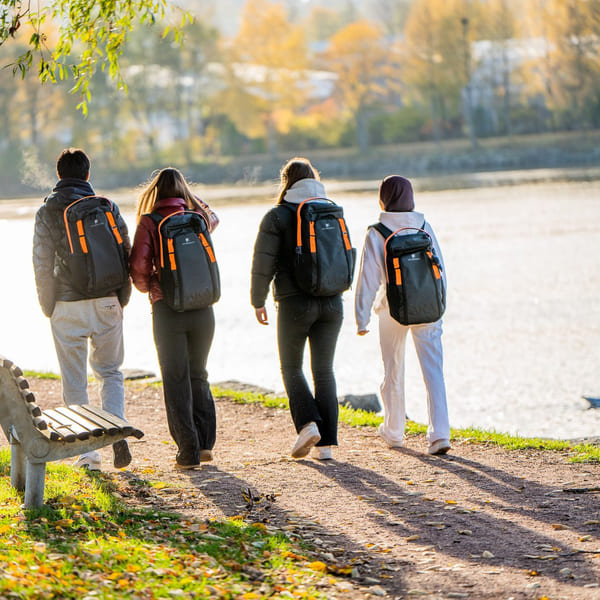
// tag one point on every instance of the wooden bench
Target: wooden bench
(38, 437)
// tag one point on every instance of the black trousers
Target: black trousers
(319, 321)
(183, 340)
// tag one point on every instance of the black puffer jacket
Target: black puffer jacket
(51, 247)
(274, 255)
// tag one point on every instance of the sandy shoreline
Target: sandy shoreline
(230, 194)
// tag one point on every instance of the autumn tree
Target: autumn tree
(391, 15)
(501, 29)
(91, 35)
(438, 60)
(365, 69)
(568, 70)
(267, 67)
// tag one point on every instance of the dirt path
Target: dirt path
(480, 523)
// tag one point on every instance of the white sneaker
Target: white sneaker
(309, 435)
(91, 461)
(322, 452)
(439, 447)
(389, 441)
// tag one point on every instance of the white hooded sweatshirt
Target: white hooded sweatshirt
(304, 189)
(370, 285)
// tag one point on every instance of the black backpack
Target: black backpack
(97, 259)
(414, 284)
(188, 271)
(324, 257)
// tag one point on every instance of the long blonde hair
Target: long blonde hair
(167, 183)
(294, 170)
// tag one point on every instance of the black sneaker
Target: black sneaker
(122, 456)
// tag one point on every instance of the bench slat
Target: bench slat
(61, 424)
(28, 395)
(123, 426)
(22, 383)
(62, 434)
(109, 427)
(34, 410)
(74, 416)
(120, 423)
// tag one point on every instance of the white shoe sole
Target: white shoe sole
(306, 440)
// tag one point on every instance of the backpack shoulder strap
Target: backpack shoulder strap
(154, 216)
(382, 229)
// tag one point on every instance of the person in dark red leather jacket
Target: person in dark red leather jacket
(182, 339)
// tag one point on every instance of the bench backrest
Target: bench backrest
(18, 409)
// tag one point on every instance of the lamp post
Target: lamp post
(468, 99)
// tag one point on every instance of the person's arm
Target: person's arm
(371, 276)
(124, 293)
(141, 260)
(44, 254)
(213, 219)
(267, 249)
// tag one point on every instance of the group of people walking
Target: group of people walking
(90, 327)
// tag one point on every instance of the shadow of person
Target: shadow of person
(515, 494)
(237, 497)
(477, 528)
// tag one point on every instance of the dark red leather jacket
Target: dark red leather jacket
(145, 253)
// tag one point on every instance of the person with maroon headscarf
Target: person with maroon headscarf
(396, 200)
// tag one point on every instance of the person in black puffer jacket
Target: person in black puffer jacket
(75, 317)
(301, 317)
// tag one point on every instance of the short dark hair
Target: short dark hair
(73, 163)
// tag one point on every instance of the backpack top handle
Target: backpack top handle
(113, 225)
(387, 238)
(170, 249)
(299, 223)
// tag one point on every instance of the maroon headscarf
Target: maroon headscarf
(396, 194)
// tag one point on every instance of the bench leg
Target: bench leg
(18, 465)
(34, 487)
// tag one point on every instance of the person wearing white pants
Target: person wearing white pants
(396, 200)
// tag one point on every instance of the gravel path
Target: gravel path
(481, 523)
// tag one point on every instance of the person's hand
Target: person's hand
(261, 315)
(362, 331)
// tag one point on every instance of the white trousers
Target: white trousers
(99, 322)
(428, 345)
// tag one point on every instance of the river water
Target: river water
(521, 332)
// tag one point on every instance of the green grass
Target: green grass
(361, 418)
(40, 375)
(86, 543)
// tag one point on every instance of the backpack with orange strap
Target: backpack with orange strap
(414, 283)
(188, 272)
(97, 259)
(324, 257)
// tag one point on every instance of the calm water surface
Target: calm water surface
(522, 328)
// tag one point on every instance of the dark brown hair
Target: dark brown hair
(294, 170)
(73, 163)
